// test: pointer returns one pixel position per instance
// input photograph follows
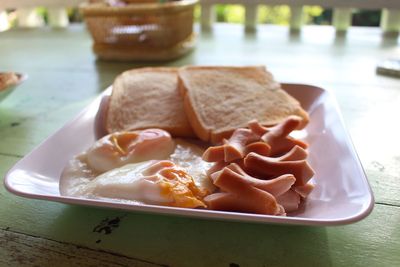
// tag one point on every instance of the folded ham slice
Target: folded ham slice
(278, 136)
(214, 154)
(216, 167)
(276, 186)
(289, 200)
(260, 201)
(260, 148)
(304, 190)
(282, 129)
(296, 153)
(234, 148)
(230, 202)
(267, 167)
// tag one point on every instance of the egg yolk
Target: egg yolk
(180, 186)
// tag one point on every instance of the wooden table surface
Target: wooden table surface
(64, 77)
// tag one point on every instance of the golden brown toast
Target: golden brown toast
(218, 100)
(147, 98)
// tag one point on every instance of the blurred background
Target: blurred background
(279, 15)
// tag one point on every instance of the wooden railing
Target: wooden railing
(28, 17)
(342, 12)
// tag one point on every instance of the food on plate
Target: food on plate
(245, 158)
(8, 79)
(218, 100)
(272, 182)
(147, 98)
(150, 167)
(120, 148)
(145, 166)
(152, 182)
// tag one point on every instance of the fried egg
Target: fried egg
(140, 167)
(120, 148)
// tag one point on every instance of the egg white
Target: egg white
(126, 183)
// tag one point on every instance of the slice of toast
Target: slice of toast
(218, 100)
(147, 98)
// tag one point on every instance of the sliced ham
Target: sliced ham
(234, 148)
(290, 201)
(222, 164)
(282, 129)
(281, 145)
(260, 170)
(260, 148)
(267, 167)
(304, 190)
(276, 186)
(286, 127)
(282, 211)
(257, 128)
(214, 154)
(215, 175)
(296, 153)
(231, 202)
(216, 167)
(232, 182)
(278, 136)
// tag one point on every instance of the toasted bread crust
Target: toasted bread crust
(218, 100)
(195, 121)
(157, 103)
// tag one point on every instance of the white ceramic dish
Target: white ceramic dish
(342, 194)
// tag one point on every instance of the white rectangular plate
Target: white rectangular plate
(342, 194)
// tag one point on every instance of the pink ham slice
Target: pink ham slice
(214, 154)
(234, 148)
(296, 153)
(277, 136)
(260, 148)
(304, 190)
(222, 164)
(227, 202)
(230, 202)
(289, 200)
(282, 129)
(281, 145)
(276, 186)
(216, 167)
(267, 167)
(257, 200)
(274, 141)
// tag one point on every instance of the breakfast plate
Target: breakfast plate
(342, 194)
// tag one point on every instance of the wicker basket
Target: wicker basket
(141, 31)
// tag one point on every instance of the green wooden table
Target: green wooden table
(64, 77)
